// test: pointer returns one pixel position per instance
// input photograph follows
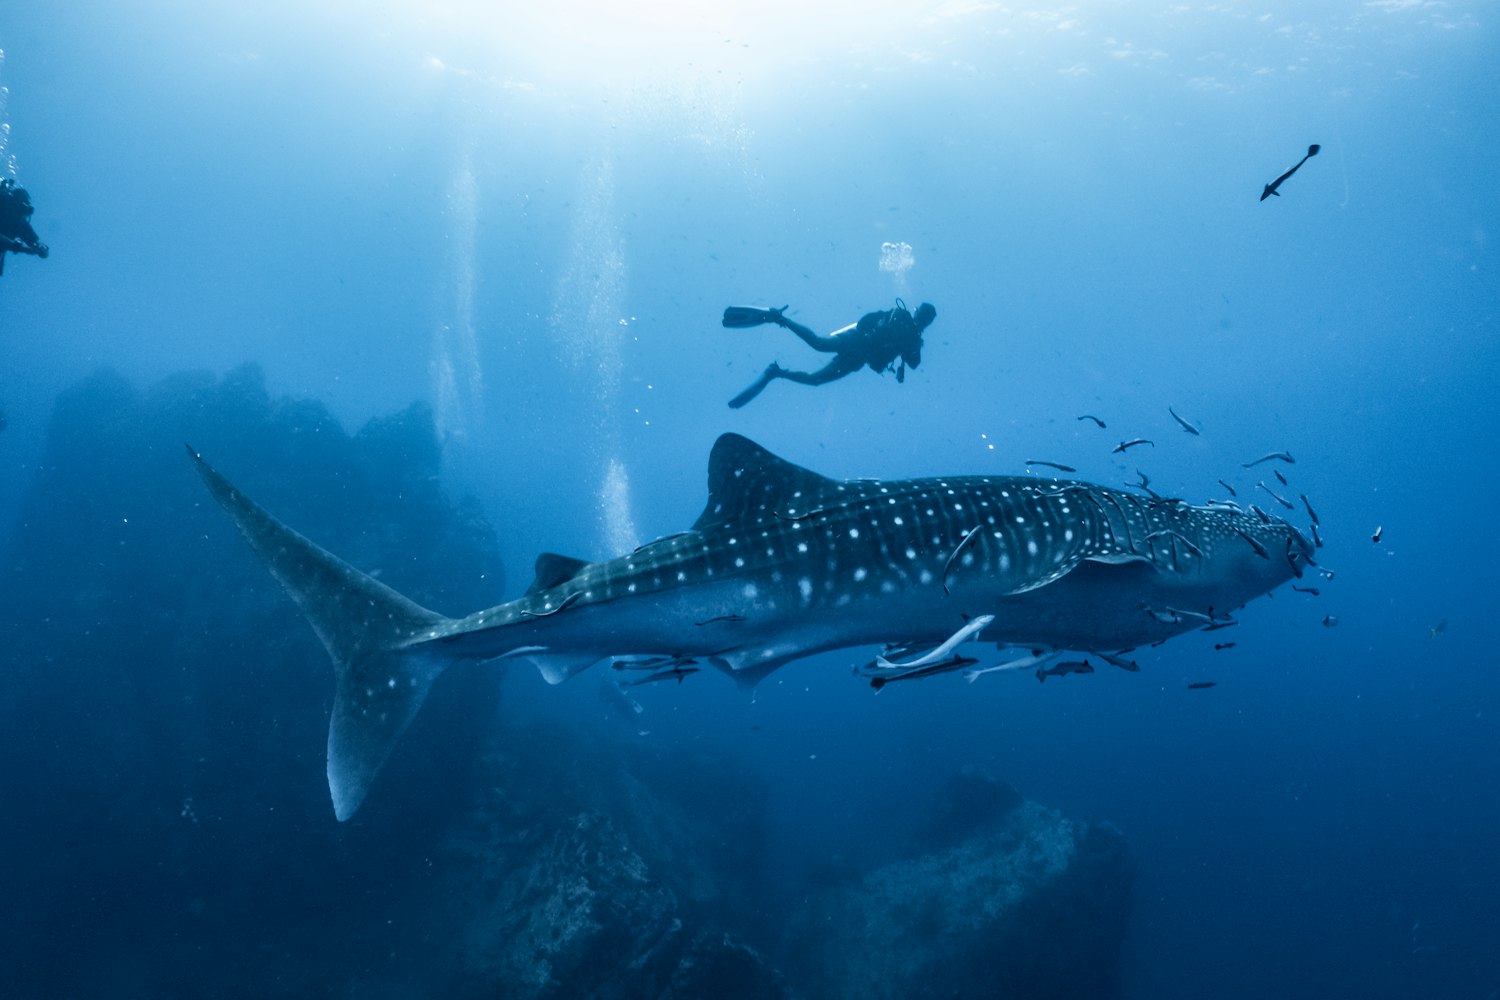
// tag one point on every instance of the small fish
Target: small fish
(720, 618)
(1220, 623)
(1314, 591)
(1123, 445)
(1276, 496)
(956, 662)
(1167, 617)
(1281, 455)
(1115, 660)
(1183, 423)
(970, 629)
(968, 537)
(1291, 560)
(1317, 536)
(1310, 512)
(1201, 685)
(671, 673)
(1441, 626)
(1223, 645)
(1260, 549)
(1229, 488)
(794, 517)
(1279, 477)
(1090, 416)
(1329, 621)
(650, 662)
(1229, 504)
(1031, 660)
(1326, 574)
(1270, 188)
(1051, 465)
(1380, 530)
(1264, 517)
(1064, 669)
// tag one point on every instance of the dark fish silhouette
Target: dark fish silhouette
(1271, 187)
(1329, 621)
(1223, 645)
(1280, 478)
(1090, 416)
(1441, 626)
(1123, 445)
(1201, 685)
(1051, 465)
(1064, 669)
(1380, 530)
(671, 673)
(1282, 455)
(1229, 488)
(1184, 424)
(1310, 512)
(1306, 590)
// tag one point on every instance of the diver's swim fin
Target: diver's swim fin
(743, 317)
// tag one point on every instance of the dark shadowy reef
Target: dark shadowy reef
(167, 830)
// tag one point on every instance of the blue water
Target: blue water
(532, 222)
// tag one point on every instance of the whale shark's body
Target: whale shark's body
(784, 563)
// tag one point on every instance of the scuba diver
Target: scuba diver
(879, 339)
(16, 234)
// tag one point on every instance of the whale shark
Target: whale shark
(784, 563)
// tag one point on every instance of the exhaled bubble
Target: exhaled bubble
(896, 258)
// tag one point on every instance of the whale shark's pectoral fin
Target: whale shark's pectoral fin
(558, 667)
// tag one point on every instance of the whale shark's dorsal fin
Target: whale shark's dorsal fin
(745, 479)
(553, 570)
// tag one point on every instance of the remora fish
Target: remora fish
(752, 586)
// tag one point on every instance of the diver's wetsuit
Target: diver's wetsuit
(877, 340)
(16, 234)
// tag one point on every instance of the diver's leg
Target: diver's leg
(816, 341)
(772, 372)
(834, 370)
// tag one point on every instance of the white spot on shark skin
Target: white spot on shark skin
(887, 587)
(681, 577)
(1068, 535)
(1004, 562)
(853, 532)
(911, 553)
(739, 563)
(843, 600)
(751, 591)
(926, 577)
(1031, 548)
(899, 522)
(805, 586)
(630, 588)
(860, 574)
(802, 547)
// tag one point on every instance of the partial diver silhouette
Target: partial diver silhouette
(16, 234)
(885, 340)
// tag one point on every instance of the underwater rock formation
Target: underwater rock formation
(1008, 899)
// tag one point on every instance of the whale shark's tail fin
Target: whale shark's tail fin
(379, 641)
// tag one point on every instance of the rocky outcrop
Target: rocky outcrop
(1014, 901)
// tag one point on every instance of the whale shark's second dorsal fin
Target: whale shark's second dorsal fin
(744, 479)
(553, 569)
